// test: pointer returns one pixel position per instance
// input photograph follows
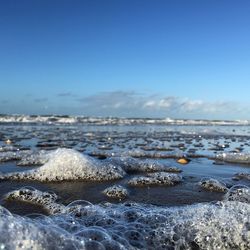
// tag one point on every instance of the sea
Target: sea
(75, 182)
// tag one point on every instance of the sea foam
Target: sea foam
(47, 200)
(213, 185)
(116, 191)
(68, 164)
(57, 119)
(159, 178)
(243, 158)
(82, 225)
(238, 193)
(130, 164)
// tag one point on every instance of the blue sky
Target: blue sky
(171, 58)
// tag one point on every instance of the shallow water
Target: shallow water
(79, 160)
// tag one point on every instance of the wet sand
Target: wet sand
(163, 144)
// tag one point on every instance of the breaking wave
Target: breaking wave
(65, 119)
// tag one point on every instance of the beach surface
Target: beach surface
(113, 183)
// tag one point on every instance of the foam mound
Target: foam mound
(8, 148)
(68, 164)
(240, 176)
(116, 191)
(239, 193)
(212, 185)
(243, 158)
(154, 155)
(45, 199)
(24, 233)
(13, 155)
(130, 164)
(159, 178)
(221, 225)
(34, 159)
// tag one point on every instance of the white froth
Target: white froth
(45, 199)
(239, 193)
(56, 119)
(34, 159)
(69, 164)
(138, 153)
(159, 178)
(116, 191)
(13, 155)
(8, 148)
(221, 225)
(240, 176)
(213, 185)
(234, 157)
(130, 164)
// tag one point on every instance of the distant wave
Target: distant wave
(65, 119)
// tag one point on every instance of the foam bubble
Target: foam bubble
(24, 233)
(13, 155)
(8, 148)
(34, 159)
(221, 225)
(159, 178)
(68, 164)
(234, 157)
(155, 155)
(213, 185)
(116, 191)
(130, 164)
(45, 199)
(240, 176)
(238, 193)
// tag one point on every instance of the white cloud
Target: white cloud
(129, 103)
(149, 104)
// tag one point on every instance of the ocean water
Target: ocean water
(118, 183)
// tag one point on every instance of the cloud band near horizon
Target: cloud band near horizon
(129, 104)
